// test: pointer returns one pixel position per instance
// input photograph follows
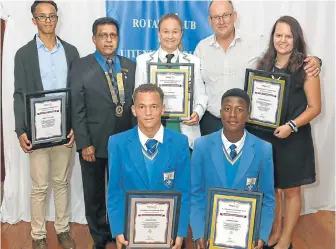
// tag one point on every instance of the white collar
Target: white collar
(213, 41)
(158, 136)
(227, 143)
(163, 53)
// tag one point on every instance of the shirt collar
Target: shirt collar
(227, 143)
(39, 42)
(213, 41)
(105, 58)
(158, 136)
(163, 53)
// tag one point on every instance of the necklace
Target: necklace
(280, 65)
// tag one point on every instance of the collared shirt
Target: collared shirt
(222, 70)
(53, 65)
(163, 53)
(227, 143)
(158, 136)
(105, 58)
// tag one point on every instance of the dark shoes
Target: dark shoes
(66, 241)
(40, 244)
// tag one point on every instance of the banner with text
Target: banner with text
(139, 21)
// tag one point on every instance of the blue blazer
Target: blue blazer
(207, 171)
(127, 171)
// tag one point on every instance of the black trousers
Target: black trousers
(210, 123)
(93, 176)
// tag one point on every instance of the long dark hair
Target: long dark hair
(299, 52)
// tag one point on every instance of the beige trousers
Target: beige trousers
(49, 163)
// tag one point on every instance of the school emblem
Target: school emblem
(168, 179)
(250, 183)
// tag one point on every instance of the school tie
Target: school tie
(151, 146)
(111, 72)
(233, 152)
(169, 57)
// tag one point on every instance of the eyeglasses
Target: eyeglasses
(42, 18)
(105, 36)
(225, 17)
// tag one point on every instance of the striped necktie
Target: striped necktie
(111, 72)
(151, 146)
(233, 152)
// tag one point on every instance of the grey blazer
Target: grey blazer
(93, 111)
(27, 78)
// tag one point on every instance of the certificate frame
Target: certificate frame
(274, 79)
(254, 199)
(32, 100)
(172, 200)
(185, 69)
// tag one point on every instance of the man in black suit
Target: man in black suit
(44, 64)
(102, 84)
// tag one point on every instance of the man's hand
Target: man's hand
(194, 119)
(25, 144)
(178, 243)
(72, 139)
(260, 244)
(120, 239)
(88, 154)
(313, 67)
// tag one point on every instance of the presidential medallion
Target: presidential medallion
(119, 110)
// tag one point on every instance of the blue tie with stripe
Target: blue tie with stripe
(111, 72)
(151, 146)
(233, 152)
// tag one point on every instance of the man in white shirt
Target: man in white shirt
(224, 57)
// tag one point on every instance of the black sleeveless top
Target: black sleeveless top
(293, 157)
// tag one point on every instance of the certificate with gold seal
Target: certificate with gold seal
(233, 218)
(48, 117)
(269, 92)
(176, 82)
(152, 218)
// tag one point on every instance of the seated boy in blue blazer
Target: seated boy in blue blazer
(143, 158)
(231, 158)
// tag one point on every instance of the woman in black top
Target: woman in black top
(294, 163)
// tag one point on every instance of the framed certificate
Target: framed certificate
(233, 219)
(48, 117)
(177, 83)
(269, 92)
(151, 218)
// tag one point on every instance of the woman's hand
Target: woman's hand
(283, 131)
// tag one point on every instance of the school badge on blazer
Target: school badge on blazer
(251, 183)
(168, 179)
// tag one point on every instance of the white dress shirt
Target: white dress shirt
(158, 136)
(163, 53)
(223, 70)
(227, 143)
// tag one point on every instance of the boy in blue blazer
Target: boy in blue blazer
(147, 157)
(231, 158)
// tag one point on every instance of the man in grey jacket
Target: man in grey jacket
(44, 64)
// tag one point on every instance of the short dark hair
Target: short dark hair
(34, 5)
(237, 92)
(102, 21)
(148, 88)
